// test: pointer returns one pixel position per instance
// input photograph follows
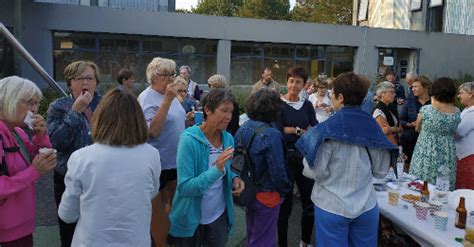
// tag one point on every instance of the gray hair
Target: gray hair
(384, 87)
(180, 80)
(12, 90)
(186, 67)
(411, 76)
(467, 87)
(158, 66)
(217, 81)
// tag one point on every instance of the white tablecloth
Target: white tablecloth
(422, 231)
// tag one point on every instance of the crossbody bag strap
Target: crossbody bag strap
(255, 133)
(22, 147)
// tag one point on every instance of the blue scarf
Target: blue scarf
(350, 125)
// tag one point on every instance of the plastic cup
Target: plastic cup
(198, 117)
(46, 150)
(435, 207)
(421, 210)
(441, 220)
(393, 197)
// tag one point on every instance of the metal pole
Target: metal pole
(26, 55)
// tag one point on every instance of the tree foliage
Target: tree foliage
(217, 7)
(265, 9)
(323, 11)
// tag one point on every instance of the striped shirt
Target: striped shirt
(343, 177)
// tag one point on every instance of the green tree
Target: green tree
(217, 7)
(265, 9)
(323, 11)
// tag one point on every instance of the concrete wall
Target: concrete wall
(440, 54)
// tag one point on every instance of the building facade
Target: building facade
(239, 48)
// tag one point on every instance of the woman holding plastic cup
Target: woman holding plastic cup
(202, 212)
(21, 164)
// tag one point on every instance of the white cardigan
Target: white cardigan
(465, 134)
(109, 192)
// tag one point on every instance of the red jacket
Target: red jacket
(17, 191)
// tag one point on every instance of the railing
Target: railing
(26, 55)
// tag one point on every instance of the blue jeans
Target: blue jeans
(334, 230)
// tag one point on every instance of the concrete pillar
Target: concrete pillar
(223, 58)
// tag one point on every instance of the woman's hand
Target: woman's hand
(44, 162)
(171, 91)
(39, 125)
(82, 101)
(224, 157)
(237, 186)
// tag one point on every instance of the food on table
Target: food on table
(410, 198)
(415, 186)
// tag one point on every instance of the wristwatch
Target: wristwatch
(298, 131)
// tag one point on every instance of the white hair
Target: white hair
(384, 87)
(12, 90)
(158, 66)
(411, 76)
(186, 67)
(217, 81)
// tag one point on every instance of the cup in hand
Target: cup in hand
(29, 119)
(46, 150)
(422, 209)
(441, 220)
(198, 117)
(393, 197)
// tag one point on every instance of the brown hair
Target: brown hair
(320, 82)
(124, 74)
(298, 71)
(352, 87)
(74, 69)
(424, 81)
(119, 120)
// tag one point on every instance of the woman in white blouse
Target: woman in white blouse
(110, 185)
(320, 100)
(465, 139)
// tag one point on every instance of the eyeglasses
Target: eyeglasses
(182, 91)
(168, 75)
(89, 78)
(30, 102)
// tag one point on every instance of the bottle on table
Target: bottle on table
(425, 193)
(461, 214)
(400, 162)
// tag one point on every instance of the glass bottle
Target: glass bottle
(425, 193)
(400, 162)
(461, 214)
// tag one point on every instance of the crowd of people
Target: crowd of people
(147, 171)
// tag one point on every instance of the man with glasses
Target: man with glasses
(166, 120)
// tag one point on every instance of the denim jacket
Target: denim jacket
(68, 130)
(268, 154)
(409, 113)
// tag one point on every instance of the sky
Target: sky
(187, 4)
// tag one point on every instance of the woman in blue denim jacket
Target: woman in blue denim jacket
(268, 156)
(68, 120)
(421, 88)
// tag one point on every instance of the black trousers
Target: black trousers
(305, 187)
(66, 231)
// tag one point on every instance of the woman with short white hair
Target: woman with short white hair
(465, 138)
(384, 115)
(217, 81)
(21, 164)
(166, 120)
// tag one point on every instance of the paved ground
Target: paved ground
(47, 233)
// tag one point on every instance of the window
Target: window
(7, 64)
(435, 19)
(248, 60)
(112, 52)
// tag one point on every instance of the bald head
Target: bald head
(410, 78)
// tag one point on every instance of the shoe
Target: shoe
(307, 245)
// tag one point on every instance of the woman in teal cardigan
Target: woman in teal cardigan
(202, 212)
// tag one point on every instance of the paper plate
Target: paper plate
(453, 199)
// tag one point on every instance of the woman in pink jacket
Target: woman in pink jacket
(21, 164)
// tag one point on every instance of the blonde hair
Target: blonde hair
(217, 81)
(117, 113)
(12, 90)
(75, 69)
(180, 80)
(158, 66)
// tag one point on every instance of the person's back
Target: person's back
(116, 187)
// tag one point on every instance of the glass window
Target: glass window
(118, 43)
(63, 58)
(246, 49)
(279, 68)
(7, 67)
(74, 41)
(110, 63)
(417, 21)
(245, 70)
(274, 50)
(339, 60)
